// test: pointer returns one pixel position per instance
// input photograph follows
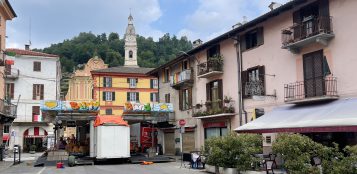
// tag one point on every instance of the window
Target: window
(130, 54)
(167, 98)
(6, 129)
(253, 81)
(154, 83)
(252, 39)
(37, 91)
(132, 82)
(185, 65)
(133, 97)
(36, 114)
(7, 69)
(214, 93)
(108, 96)
(10, 87)
(108, 111)
(185, 99)
(167, 75)
(107, 81)
(154, 97)
(213, 51)
(37, 66)
(215, 132)
(268, 139)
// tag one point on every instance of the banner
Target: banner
(149, 107)
(57, 105)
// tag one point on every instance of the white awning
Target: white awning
(336, 116)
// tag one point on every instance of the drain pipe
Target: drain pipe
(240, 87)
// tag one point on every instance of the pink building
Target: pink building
(294, 65)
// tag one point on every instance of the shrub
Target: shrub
(233, 150)
(344, 164)
(299, 150)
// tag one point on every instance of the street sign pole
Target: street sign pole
(182, 123)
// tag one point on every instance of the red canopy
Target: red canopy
(5, 137)
(100, 120)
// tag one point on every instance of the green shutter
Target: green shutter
(104, 82)
(137, 97)
(113, 96)
(151, 97)
(151, 83)
(103, 96)
(128, 96)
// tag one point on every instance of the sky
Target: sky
(47, 22)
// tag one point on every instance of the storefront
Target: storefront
(334, 121)
(34, 137)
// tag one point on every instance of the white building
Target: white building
(32, 77)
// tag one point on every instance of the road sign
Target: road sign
(182, 122)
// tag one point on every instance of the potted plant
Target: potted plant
(33, 149)
(215, 63)
(227, 99)
(198, 105)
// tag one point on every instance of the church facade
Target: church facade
(115, 86)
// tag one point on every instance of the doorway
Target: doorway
(314, 82)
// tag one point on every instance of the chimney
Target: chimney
(27, 47)
(274, 5)
(197, 43)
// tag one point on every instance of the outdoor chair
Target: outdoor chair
(269, 166)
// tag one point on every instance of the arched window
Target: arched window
(130, 54)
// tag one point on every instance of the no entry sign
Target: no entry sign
(182, 122)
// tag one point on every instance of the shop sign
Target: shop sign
(182, 122)
(57, 105)
(214, 124)
(149, 107)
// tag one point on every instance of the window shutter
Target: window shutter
(180, 100)
(208, 91)
(39, 66)
(128, 80)
(42, 91)
(261, 70)
(137, 80)
(297, 21)
(34, 92)
(168, 98)
(243, 45)
(113, 96)
(190, 98)
(260, 36)
(220, 91)
(151, 83)
(151, 97)
(110, 81)
(12, 88)
(137, 97)
(104, 82)
(104, 97)
(324, 8)
(128, 96)
(244, 82)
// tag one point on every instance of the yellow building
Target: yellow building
(115, 86)
(80, 86)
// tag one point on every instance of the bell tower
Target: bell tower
(130, 44)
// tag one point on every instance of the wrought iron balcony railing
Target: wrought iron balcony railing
(12, 73)
(7, 109)
(312, 29)
(209, 68)
(312, 90)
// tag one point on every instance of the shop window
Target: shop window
(215, 132)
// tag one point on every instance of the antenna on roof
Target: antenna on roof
(30, 31)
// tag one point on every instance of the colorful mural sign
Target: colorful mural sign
(149, 107)
(56, 105)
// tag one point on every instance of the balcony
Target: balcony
(212, 109)
(12, 73)
(311, 30)
(7, 111)
(213, 67)
(183, 78)
(312, 90)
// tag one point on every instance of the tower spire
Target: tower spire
(130, 44)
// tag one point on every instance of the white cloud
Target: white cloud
(214, 17)
(54, 21)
